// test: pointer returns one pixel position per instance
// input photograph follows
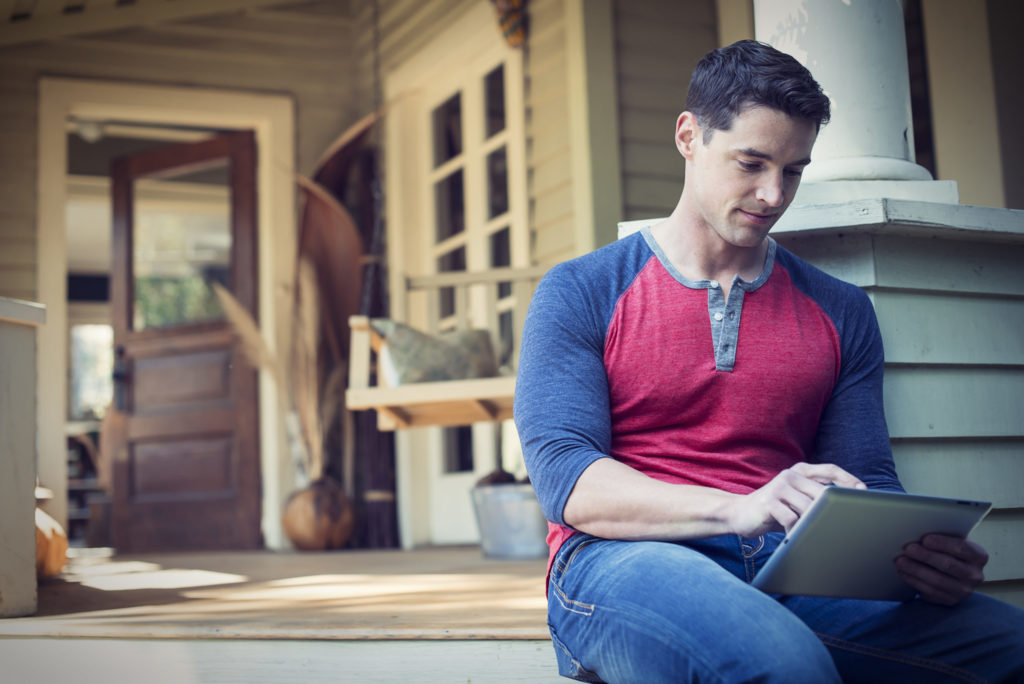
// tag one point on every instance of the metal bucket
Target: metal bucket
(510, 521)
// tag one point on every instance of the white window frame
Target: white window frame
(458, 59)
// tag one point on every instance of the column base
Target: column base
(830, 192)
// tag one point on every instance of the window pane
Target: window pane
(497, 183)
(494, 100)
(451, 208)
(181, 237)
(448, 130)
(454, 260)
(501, 256)
(505, 336)
(458, 449)
(92, 365)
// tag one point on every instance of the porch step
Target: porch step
(188, 661)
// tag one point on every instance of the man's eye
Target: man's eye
(749, 166)
(794, 173)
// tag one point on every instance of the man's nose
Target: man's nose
(770, 190)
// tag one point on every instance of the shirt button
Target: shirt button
(719, 316)
(714, 285)
(732, 315)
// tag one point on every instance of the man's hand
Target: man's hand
(943, 569)
(780, 503)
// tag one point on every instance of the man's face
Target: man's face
(744, 178)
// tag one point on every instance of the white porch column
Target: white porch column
(857, 51)
(19, 322)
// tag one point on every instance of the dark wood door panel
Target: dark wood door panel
(185, 469)
(166, 381)
(186, 464)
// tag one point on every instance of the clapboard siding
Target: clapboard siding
(939, 328)
(305, 51)
(548, 152)
(991, 470)
(180, 66)
(18, 170)
(403, 28)
(927, 402)
(951, 313)
(657, 44)
(1011, 592)
(847, 256)
(948, 265)
(1000, 534)
(672, 11)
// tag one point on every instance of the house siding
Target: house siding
(18, 170)
(952, 319)
(548, 151)
(305, 51)
(657, 44)
(403, 28)
(951, 314)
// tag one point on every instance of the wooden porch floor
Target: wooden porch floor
(439, 614)
(436, 593)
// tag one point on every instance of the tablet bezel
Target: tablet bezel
(845, 544)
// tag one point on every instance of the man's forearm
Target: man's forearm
(613, 501)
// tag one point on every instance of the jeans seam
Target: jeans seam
(578, 607)
(749, 565)
(923, 663)
(580, 670)
(572, 556)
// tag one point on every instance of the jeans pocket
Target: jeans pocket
(567, 553)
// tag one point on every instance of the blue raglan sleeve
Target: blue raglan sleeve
(561, 402)
(852, 432)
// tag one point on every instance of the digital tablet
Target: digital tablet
(845, 543)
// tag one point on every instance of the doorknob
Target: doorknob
(121, 377)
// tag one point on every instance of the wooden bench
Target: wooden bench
(451, 402)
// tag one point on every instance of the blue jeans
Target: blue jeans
(685, 612)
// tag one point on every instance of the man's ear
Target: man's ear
(688, 134)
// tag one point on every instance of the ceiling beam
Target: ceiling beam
(100, 15)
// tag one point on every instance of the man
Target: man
(685, 393)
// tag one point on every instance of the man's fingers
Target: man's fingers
(945, 563)
(828, 473)
(958, 547)
(933, 585)
(943, 569)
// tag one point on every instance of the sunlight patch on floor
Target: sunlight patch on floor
(135, 575)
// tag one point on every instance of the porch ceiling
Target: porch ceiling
(27, 21)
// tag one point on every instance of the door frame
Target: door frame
(272, 119)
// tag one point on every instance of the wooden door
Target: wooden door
(186, 452)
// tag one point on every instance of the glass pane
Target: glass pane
(494, 101)
(497, 183)
(92, 365)
(454, 260)
(447, 119)
(458, 449)
(181, 246)
(505, 337)
(451, 207)
(501, 256)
